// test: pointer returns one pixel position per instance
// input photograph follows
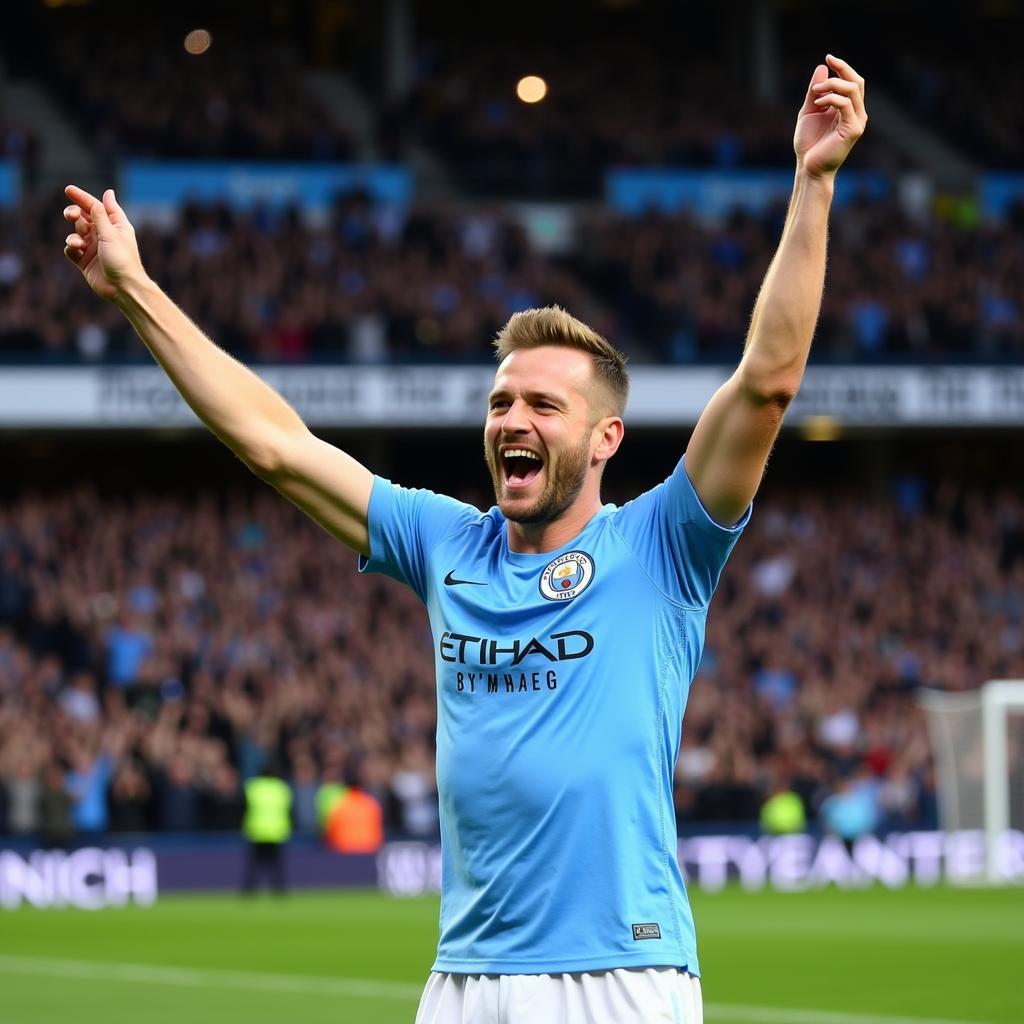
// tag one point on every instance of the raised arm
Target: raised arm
(730, 445)
(252, 419)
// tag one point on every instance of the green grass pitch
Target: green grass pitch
(866, 957)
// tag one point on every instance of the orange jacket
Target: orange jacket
(355, 824)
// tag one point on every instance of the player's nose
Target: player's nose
(516, 421)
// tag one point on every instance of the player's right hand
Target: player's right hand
(102, 245)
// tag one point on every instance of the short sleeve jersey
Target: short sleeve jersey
(562, 679)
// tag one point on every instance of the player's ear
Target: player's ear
(609, 431)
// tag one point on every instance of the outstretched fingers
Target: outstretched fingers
(96, 211)
(74, 248)
(834, 99)
(78, 219)
(102, 241)
(77, 195)
(844, 95)
(79, 215)
(847, 81)
(77, 243)
(113, 209)
(844, 70)
(832, 118)
(820, 75)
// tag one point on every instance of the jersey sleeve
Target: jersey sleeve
(682, 549)
(405, 525)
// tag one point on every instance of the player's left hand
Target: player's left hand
(831, 120)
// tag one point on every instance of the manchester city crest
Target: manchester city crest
(567, 576)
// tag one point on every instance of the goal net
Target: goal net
(978, 744)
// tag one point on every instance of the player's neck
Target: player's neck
(538, 538)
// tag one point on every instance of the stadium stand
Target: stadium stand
(243, 99)
(158, 649)
(619, 96)
(970, 101)
(375, 285)
(155, 651)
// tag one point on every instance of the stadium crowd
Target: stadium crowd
(435, 283)
(625, 88)
(464, 108)
(157, 651)
(967, 95)
(143, 96)
(19, 143)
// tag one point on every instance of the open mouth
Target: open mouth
(521, 466)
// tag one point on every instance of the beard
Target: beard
(564, 480)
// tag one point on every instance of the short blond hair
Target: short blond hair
(552, 325)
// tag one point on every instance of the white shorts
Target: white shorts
(649, 995)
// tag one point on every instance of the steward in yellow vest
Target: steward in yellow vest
(267, 826)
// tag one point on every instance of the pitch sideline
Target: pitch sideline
(98, 970)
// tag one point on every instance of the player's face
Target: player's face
(538, 434)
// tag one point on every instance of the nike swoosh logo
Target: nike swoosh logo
(451, 581)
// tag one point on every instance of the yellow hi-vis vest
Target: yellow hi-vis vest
(268, 806)
(783, 814)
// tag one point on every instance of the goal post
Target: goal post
(977, 741)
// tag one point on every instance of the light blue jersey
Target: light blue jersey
(561, 684)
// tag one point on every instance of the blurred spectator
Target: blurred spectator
(852, 810)
(87, 784)
(13, 590)
(177, 799)
(57, 826)
(783, 811)
(222, 801)
(130, 799)
(24, 792)
(412, 784)
(356, 821)
(267, 827)
(899, 796)
(128, 644)
(305, 786)
(79, 700)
